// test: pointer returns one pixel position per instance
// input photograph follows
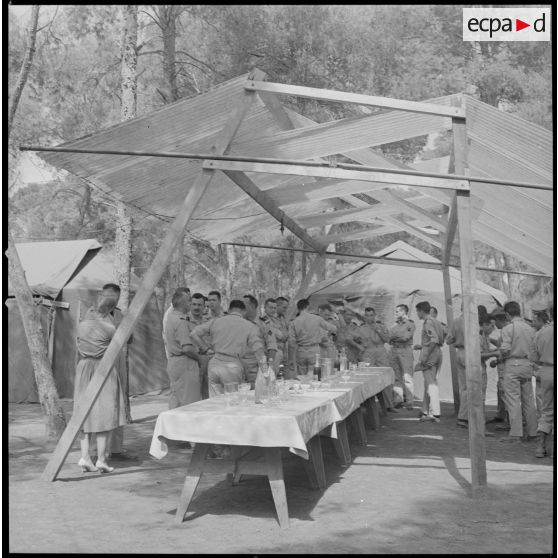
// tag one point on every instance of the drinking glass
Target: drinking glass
(346, 376)
(231, 393)
(243, 390)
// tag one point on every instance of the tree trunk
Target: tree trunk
(55, 420)
(123, 239)
(25, 67)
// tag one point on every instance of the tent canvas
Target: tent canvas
(147, 356)
(384, 286)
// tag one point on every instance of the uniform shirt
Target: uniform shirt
(177, 334)
(432, 332)
(401, 333)
(543, 345)
(282, 328)
(373, 336)
(265, 333)
(456, 333)
(231, 335)
(197, 321)
(307, 329)
(484, 342)
(327, 337)
(517, 339)
(269, 323)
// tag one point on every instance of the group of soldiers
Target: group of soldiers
(208, 347)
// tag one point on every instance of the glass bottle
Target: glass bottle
(281, 372)
(317, 368)
(261, 385)
(343, 360)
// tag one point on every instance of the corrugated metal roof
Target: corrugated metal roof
(501, 146)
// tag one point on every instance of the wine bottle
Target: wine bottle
(317, 368)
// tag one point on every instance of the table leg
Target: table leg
(193, 475)
(383, 403)
(277, 484)
(315, 464)
(358, 423)
(373, 412)
(341, 444)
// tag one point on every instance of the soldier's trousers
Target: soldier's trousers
(223, 371)
(305, 358)
(402, 364)
(520, 401)
(545, 398)
(378, 356)
(431, 397)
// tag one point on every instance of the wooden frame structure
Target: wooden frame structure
(260, 142)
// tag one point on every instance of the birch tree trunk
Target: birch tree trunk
(123, 239)
(55, 419)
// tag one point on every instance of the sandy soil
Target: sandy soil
(407, 491)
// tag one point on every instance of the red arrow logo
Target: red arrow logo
(519, 25)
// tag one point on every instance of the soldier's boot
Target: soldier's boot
(540, 450)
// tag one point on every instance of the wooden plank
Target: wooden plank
(277, 485)
(140, 300)
(451, 348)
(263, 199)
(345, 215)
(357, 422)
(406, 206)
(353, 98)
(193, 476)
(414, 231)
(358, 235)
(314, 466)
(335, 172)
(477, 447)
(55, 303)
(450, 232)
(387, 261)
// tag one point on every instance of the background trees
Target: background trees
(410, 52)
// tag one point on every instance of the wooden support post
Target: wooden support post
(472, 348)
(357, 422)
(150, 280)
(452, 351)
(277, 485)
(193, 476)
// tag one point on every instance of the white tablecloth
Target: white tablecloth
(290, 425)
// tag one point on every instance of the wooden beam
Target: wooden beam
(390, 197)
(345, 215)
(448, 300)
(263, 199)
(308, 169)
(358, 235)
(414, 231)
(477, 447)
(354, 98)
(381, 260)
(450, 232)
(143, 294)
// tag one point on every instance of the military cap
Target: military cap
(497, 313)
(539, 307)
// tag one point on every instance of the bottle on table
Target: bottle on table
(261, 386)
(271, 380)
(281, 372)
(317, 368)
(343, 360)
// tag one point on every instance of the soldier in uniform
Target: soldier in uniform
(265, 330)
(214, 303)
(500, 320)
(305, 333)
(543, 356)
(225, 340)
(328, 348)
(430, 360)
(456, 337)
(276, 314)
(115, 442)
(517, 352)
(401, 341)
(167, 313)
(197, 317)
(182, 364)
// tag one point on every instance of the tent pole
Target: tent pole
(140, 300)
(477, 447)
(451, 348)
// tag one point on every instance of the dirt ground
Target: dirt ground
(407, 491)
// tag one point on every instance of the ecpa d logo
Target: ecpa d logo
(506, 24)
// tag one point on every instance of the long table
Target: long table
(295, 424)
